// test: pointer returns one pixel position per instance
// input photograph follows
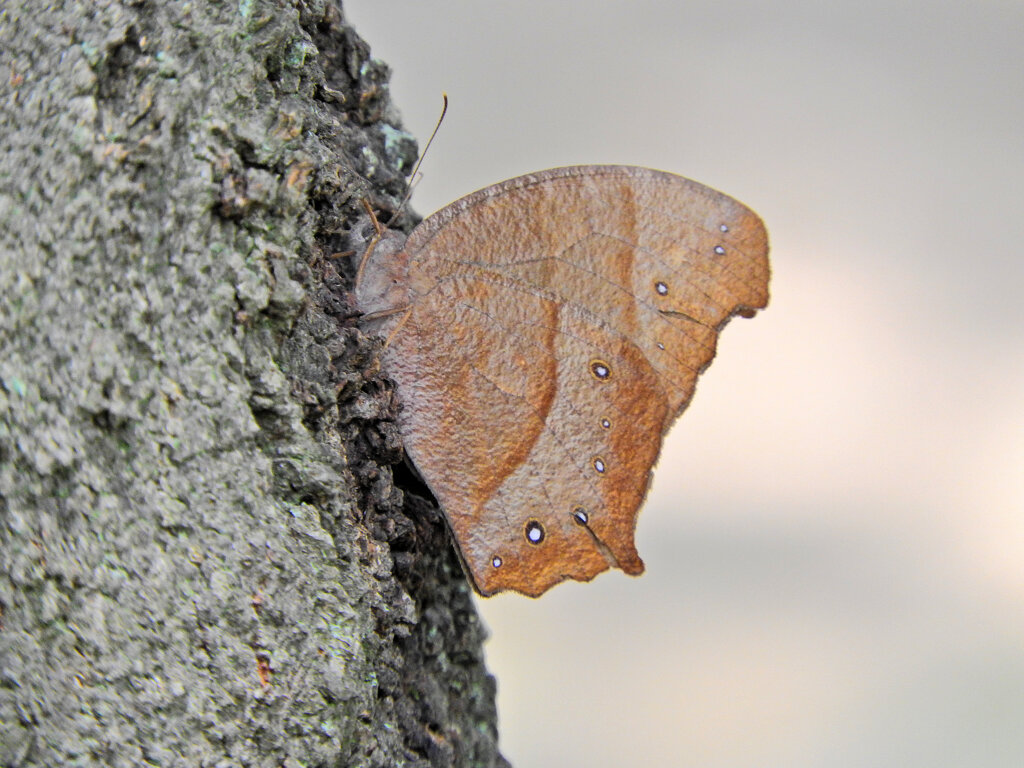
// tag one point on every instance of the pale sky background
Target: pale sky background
(835, 537)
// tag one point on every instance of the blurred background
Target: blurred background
(835, 537)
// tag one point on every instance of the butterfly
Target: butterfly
(543, 334)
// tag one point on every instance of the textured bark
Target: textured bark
(203, 557)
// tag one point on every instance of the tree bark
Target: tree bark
(203, 557)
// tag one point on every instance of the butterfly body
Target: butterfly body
(543, 334)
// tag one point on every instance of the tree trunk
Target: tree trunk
(203, 557)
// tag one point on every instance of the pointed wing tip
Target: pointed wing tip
(747, 311)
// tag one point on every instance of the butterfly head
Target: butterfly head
(381, 284)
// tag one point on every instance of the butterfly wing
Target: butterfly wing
(557, 325)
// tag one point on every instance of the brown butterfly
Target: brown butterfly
(543, 334)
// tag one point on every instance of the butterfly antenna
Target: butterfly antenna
(378, 230)
(416, 168)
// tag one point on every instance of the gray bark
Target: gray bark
(203, 557)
